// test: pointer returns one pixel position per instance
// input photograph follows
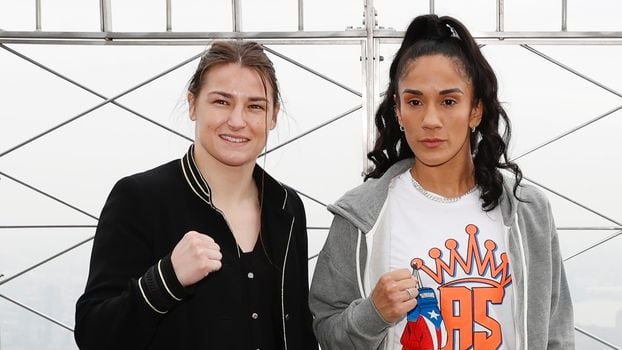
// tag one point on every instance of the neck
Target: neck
(229, 184)
(447, 180)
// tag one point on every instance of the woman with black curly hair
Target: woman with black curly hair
(439, 248)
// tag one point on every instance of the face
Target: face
(231, 110)
(435, 107)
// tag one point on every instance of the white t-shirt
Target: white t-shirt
(465, 260)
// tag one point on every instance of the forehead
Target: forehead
(234, 78)
(435, 71)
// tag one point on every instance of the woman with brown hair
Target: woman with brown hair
(207, 251)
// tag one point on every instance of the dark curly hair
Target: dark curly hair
(431, 35)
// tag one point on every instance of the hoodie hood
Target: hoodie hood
(361, 205)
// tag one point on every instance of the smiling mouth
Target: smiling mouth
(234, 139)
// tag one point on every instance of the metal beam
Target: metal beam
(500, 16)
(312, 71)
(38, 15)
(564, 15)
(169, 17)
(600, 340)
(301, 16)
(73, 82)
(99, 105)
(105, 16)
(560, 37)
(38, 313)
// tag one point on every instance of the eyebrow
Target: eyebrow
(228, 95)
(442, 92)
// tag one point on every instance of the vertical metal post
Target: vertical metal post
(431, 7)
(300, 15)
(237, 25)
(169, 19)
(500, 16)
(105, 16)
(38, 15)
(369, 56)
(564, 15)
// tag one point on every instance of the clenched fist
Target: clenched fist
(195, 256)
(395, 294)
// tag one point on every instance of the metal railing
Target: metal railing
(370, 37)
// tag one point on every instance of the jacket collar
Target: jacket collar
(275, 194)
(276, 216)
(361, 205)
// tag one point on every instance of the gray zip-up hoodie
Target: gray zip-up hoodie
(355, 255)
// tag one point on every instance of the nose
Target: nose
(431, 118)
(236, 118)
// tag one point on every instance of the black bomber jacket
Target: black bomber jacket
(132, 298)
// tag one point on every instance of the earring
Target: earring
(472, 129)
(401, 128)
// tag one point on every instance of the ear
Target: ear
(398, 114)
(277, 109)
(190, 98)
(476, 114)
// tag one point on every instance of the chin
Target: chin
(432, 163)
(236, 162)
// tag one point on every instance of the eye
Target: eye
(414, 102)
(257, 107)
(220, 102)
(449, 102)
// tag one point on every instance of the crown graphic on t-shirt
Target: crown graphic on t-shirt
(490, 269)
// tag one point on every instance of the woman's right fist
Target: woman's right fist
(195, 256)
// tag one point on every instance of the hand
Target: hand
(395, 294)
(194, 257)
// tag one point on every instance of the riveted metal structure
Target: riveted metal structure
(81, 108)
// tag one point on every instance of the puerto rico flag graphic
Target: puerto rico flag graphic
(424, 327)
(472, 282)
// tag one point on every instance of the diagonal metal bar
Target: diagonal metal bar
(564, 134)
(606, 239)
(600, 340)
(58, 323)
(313, 257)
(573, 201)
(309, 197)
(32, 267)
(317, 228)
(69, 80)
(312, 71)
(109, 100)
(573, 71)
(48, 195)
(344, 114)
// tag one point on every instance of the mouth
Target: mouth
(432, 142)
(234, 139)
